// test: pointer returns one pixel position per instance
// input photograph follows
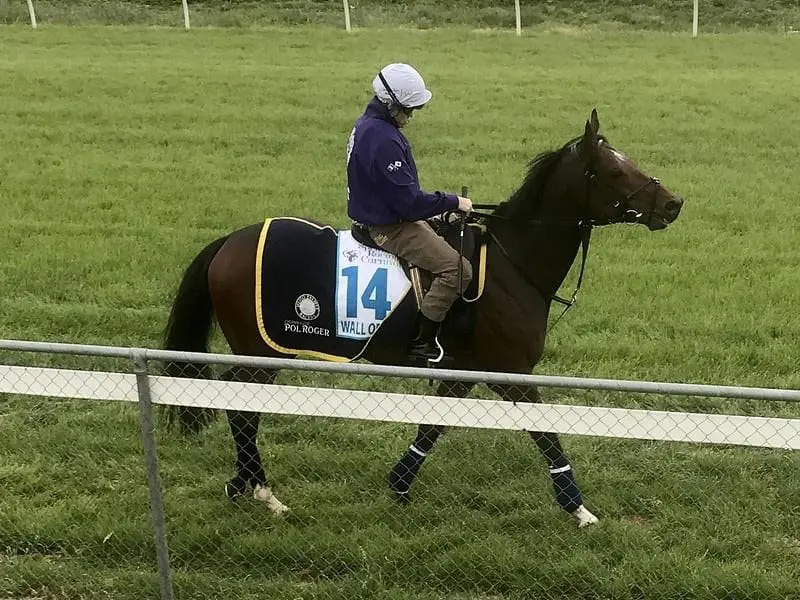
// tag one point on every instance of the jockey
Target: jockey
(385, 199)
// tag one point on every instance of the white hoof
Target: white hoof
(584, 517)
(264, 494)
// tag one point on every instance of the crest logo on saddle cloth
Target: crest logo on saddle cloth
(370, 283)
(306, 307)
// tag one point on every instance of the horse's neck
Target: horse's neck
(544, 253)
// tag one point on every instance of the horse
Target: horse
(530, 242)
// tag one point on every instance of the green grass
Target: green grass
(125, 150)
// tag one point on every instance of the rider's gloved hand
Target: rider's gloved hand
(464, 204)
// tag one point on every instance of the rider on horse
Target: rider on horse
(384, 198)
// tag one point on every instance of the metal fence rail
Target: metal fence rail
(616, 385)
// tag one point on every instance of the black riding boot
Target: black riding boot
(424, 347)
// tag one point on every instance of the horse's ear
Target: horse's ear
(589, 141)
(595, 122)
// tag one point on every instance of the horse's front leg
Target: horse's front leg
(567, 492)
(405, 470)
(244, 427)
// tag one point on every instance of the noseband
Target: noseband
(626, 214)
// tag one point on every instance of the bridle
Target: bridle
(626, 215)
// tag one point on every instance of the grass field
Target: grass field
(124, 150)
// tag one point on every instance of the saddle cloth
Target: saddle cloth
(322, 293)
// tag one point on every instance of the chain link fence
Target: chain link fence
(119, 482)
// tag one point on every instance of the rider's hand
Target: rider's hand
(464, 204)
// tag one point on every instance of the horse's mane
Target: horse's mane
(527, 198)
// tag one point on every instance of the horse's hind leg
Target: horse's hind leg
(244, 427)
(402, 475)
(567, 492)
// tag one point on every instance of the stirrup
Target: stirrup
(424, 361)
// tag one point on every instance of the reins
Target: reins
(586, 233)
(585, 226)
(485, 215)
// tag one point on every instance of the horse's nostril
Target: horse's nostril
(673, 205)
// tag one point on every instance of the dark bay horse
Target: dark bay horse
(533, 239)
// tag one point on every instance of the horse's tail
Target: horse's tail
(188, 330)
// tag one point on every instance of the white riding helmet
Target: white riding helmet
(405, 86)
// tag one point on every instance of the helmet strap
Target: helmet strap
(397, 102)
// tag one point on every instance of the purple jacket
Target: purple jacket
(382, 183)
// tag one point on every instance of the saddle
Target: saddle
(474, 238)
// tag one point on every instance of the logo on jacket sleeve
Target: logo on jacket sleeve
(394, 166)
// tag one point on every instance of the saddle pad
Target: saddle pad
(370, 283)
(319, 292)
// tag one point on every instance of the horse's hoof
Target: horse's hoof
(264, 494)
(234, 489)
(400, 489)
(402, 498)
(584, 517)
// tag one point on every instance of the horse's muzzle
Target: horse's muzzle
(673, 208)
(660, 219)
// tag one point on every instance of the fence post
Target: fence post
(153, 479)
(518, 17)
(185, 7)
(695, 11)
(32, 13)
(346, 4)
